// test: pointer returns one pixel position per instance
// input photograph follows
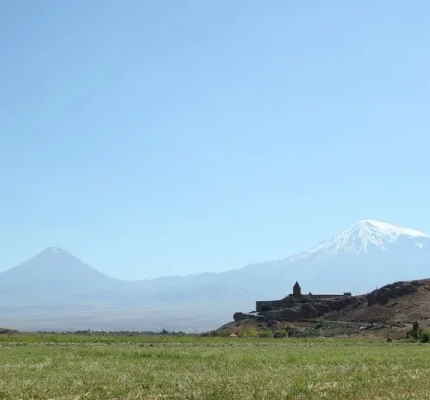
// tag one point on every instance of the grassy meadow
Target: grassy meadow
(45, 366)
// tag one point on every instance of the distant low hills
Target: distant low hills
(56, 290)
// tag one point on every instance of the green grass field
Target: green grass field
(166, 367)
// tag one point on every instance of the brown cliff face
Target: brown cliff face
(396, 302)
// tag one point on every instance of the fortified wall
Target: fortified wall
(294, 298)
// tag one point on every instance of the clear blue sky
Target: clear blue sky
(168, 137)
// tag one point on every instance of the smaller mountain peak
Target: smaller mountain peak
(54, 251)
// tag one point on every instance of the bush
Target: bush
(425, 336)
(247, 333)
(294, 332)
(389, 340)
(321, 324)
(280, 334)
(416, 331)
(266, 333)
(419, 333)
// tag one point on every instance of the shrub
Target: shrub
(321, 324)
(247, 333)
(280, 334)
(294, 332)
(425, 336)
(266, 333)
(416, 330)
(418, 333)
(389, 340)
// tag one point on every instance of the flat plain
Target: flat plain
(60, 366)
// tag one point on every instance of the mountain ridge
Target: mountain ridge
(389, 231)
(384, 253)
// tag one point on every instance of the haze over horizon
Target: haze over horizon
(153, 140)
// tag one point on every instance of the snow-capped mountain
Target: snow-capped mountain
(367, 236)
(368, 254)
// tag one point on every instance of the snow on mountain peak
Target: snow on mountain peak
(359, 238)
(54, 251)
(389, 229)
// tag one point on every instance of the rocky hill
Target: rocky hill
(396, 304)
(399, 302)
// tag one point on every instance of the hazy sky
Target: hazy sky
(170, 137)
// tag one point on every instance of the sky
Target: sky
(154, 138)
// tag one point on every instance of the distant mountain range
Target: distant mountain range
(55, 290)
